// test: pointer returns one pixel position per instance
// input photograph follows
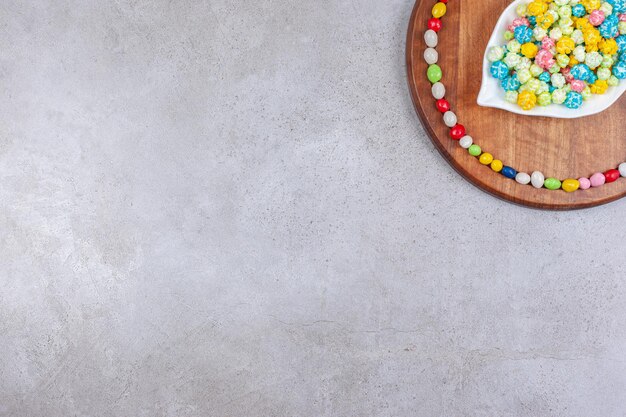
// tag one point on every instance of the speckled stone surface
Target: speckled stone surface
(229, 208)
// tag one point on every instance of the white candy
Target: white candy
(523, 178)
(467, 141)
(431, 56)
(449, 118)
(622, 169)
(537, 179)
(431, 38)
(439, 90)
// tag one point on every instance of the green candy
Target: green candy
(434, 73)
(475, 150)
(552, 184)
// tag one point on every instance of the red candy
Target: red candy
(457, 132)
(612, 175)
(443, 105)
(434, 24)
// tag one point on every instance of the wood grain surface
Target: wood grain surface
(558, 148)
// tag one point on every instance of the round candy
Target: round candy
(475, 150)
(434, 24)
(438, 90)
(509, 172)
(457, 132)
(431, 38)
(574, 100)
(552, 184)
(497, 165)
(537, 179)
(499, 70)
(611, 175)
(439, 10)
(585, 184)
(449, 118)
(443, 105)
(570, 185)
(622, 169)
(598, 179)
(486, 158)
(522, 178)
(431, 56)
(434, 73)
(523, 34)
(466, 141)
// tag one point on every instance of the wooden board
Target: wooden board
(556, 147)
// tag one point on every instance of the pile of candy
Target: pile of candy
(458, 132)
(562, 52)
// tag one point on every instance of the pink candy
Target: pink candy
(598, 179)
(585, 184)
(568, 76)
(520, 21)
(596, 17)
(544, 59)
(547, 43)
(622, 17)
(577, 85)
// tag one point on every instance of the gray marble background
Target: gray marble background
(229, 208)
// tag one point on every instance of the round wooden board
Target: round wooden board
(556, 147)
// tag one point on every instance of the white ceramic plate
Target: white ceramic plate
(492, 94)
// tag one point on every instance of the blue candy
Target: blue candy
(509, 172)
(581, 72)
(532, 20)
(574, 100)
(499, 70)
(592, 77)
(579, 10)
(511, 83)
(523, 34)
(608, 29)
(619, 6)
(619, 70)
(621, 42)
(545, 77)
(551, 88)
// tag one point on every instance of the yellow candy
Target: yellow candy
(486, 158)
(497, 165)
(545, 21)
(608, 46)
(529, 50)
(527, 100)
(439, 10)
(591, 5)
(599, 87)
(537, 8)
(565, 45)
(570, 185)
(573, 61)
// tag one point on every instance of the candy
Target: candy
(431, 38)
(434, 73)
(450, 119)
(438, 90)
(570, 185)
(537, 179)
(598, 179)
(457, 132)
(442, 104)
(486, 158)
(497, 165)
(560, 47)
(431, 56)
(508, 172)
(622, 169)
(439, 10)
(611, 175)
(585, 184)
(475, 150)
(552, 183)
(522, 178)
(466, 141)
